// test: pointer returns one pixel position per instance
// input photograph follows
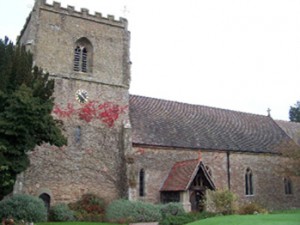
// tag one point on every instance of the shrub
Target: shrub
(89, 208)
(61, 213)
(252, 208)
(185, 218)
(172, 208)
(178, 220)
(125, 211)
(23, 207)
(220, 201)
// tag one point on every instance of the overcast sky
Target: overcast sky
(241, 55)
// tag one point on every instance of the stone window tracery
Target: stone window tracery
(248, 182)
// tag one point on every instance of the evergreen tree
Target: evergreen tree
(294, 112)
(26, 104)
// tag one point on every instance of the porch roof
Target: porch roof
(182, 175)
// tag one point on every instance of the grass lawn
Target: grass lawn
(289, 217)
(263, 219)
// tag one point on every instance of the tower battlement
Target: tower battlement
(70, 11)
(83, 13)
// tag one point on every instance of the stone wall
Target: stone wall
(267, 177)
(93, 161)
(51, 33)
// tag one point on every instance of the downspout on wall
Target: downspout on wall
(228, 169)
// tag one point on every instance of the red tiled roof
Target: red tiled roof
(181, 175)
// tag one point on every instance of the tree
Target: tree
(294, 112)
(26, 104)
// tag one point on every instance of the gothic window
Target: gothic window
(248, 182)
(142, 183)
(287, 186)
(83, 56)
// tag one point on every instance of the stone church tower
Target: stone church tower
(88, 56)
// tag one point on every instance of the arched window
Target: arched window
(249, 182)
(46, 199)
(83, 56)
(142, 183)
(287, 186)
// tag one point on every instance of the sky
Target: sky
(241, 55)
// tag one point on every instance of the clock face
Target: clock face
(81, 96)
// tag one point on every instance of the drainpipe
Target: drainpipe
(228, 169)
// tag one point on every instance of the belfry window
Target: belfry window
(83, 56)
(248, 182)
(142, 183)
(287, 186)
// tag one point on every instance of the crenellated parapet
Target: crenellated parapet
(83, 13)
(55, 7)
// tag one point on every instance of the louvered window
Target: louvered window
(77, 54)
(80, 59)
(83, 56)
(84, 60)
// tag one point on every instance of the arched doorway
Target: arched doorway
(197, 200)
(46, 199)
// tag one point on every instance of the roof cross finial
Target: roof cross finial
(269, 111)
(125, 11)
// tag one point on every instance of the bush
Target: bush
(178, 220)
(61, 213)
(172, 208)
(252, 208)
(185, 218)
(89, 208)
(125, 211)
(220, 201)
(23, 207)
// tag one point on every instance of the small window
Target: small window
(142, 183)
(83, 56)
(287, 186)
(78, 134)
(170, 196)
(249, 182)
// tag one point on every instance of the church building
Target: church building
(136, 147)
